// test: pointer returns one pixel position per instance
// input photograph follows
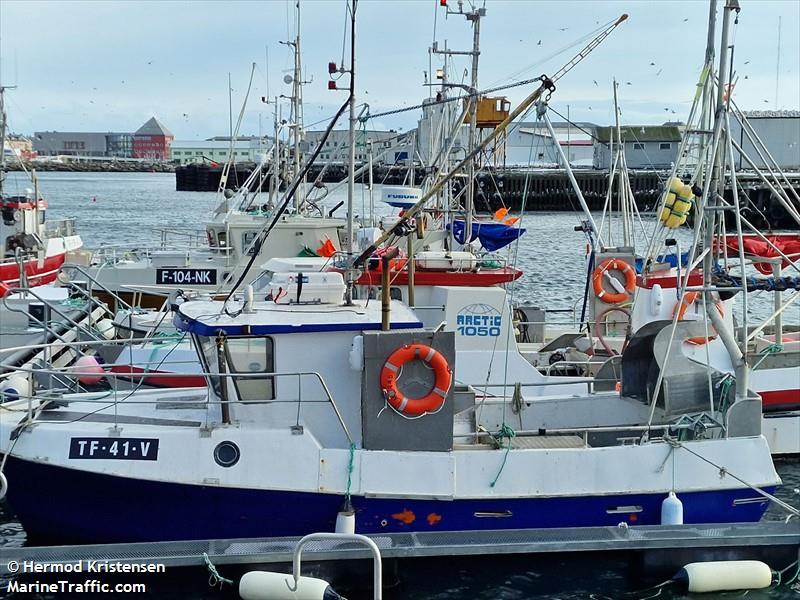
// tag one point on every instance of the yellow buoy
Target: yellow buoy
(677, 204)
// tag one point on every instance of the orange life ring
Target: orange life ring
(681, 308)
(687, 300)
(613, 264)
(416, 407)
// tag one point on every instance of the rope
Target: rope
(771, 349)
(505, 432)
(725, 386)
(350, 465)
(792, 579)
(214, 578)
(724, 471)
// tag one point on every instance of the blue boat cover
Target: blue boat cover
(670, 259)
(492, 236)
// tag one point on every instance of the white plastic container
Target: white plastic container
(317, 288)
(438, 260)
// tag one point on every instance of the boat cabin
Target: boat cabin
(21, 225)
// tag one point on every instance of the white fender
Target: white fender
(725, 575)
(656, 300)
(672, 510)
(106, 328)
(266, 585)
(15, 387)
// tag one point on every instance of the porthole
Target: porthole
(226, 454)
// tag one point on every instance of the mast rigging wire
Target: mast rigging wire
(264, 234)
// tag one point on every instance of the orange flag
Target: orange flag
(327, 249)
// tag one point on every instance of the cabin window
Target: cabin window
(664, 146)
(251, 356)
(222, 239)
(208, 358)
(41, 217)
(638, 146)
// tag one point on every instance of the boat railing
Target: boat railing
(93, 286)
(108, 254)
(194, 238)
(60, 227)
(47, 322)
(119, 377)
(641, 433)
(119, 386)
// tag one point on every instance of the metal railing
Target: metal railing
(195, 238)
(60, 227)
(111, 397)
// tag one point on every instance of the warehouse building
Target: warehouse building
(646, 146)
(780, 133)
(149, 141)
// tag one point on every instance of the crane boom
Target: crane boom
(547, 84)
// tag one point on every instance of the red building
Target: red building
(152, 141)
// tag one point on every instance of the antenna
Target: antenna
(778, 66)
(266, 76)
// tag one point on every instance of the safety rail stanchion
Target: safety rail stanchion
(377, 566)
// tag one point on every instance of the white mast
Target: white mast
(352, 159)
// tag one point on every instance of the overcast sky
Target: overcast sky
(109, 66)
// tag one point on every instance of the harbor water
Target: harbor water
(127, 208)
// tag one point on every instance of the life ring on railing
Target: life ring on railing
(687, 300)
(613, 264)
(681, 308)
(416, 407)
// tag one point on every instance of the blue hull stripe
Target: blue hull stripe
(184, 323)
(66, 505)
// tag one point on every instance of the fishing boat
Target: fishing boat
(706, 282)
(212, 260)
(32, 248)
(320, 404)
(312, 406)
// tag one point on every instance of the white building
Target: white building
(217, 149)
(388, 147)
(530, 144)
(779, 130)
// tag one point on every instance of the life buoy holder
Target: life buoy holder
(613, 264)
(681, 308)
(416, 407)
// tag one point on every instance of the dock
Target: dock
(776, 540)
(544, 189)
